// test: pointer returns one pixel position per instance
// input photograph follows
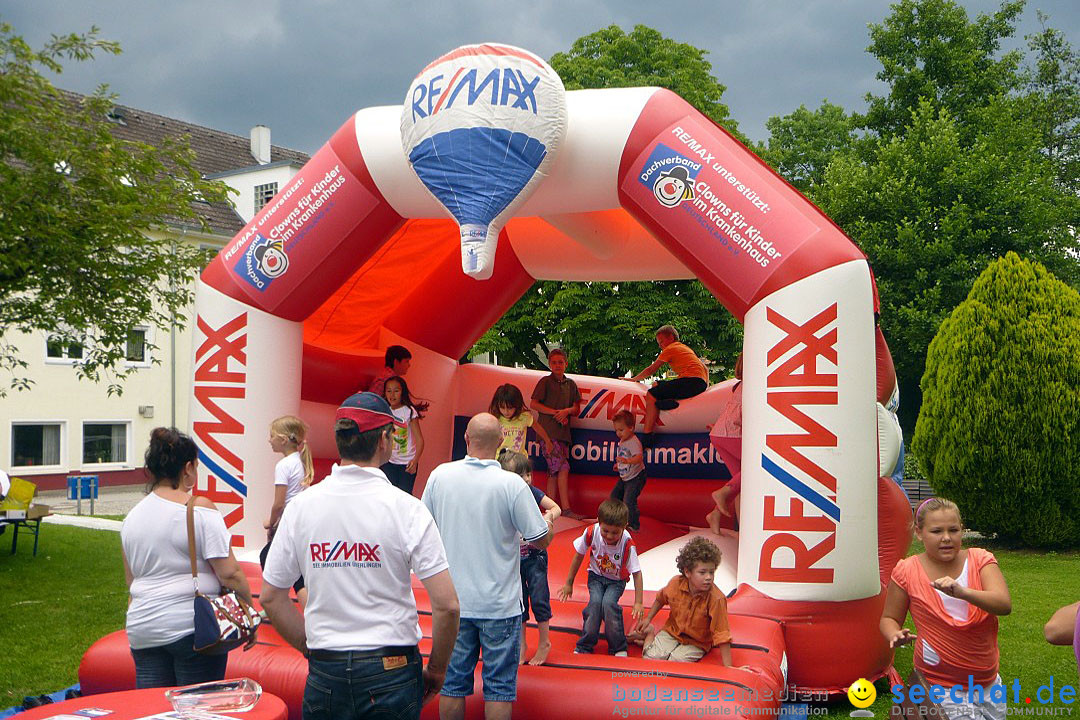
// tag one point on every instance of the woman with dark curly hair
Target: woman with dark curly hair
(161, 615)
(697, 621)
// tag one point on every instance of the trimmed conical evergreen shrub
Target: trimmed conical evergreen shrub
(999, 430)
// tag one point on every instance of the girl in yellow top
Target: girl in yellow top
(692, 378)
(508, 405)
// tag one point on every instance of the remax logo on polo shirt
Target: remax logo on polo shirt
(344, 553)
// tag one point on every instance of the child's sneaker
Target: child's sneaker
(621, 653)
(579, 651)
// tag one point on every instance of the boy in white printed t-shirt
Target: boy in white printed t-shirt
(630, 464)
(614, 559)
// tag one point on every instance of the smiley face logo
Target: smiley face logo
(862, 693)
(673, 186)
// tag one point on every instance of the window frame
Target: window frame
(260, 190)
(83, 465)
(148, 340)
(147, 361)
(62, 465)
(65, 359)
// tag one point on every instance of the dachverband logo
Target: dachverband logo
(670, 176)
(344, 553)
(262, 262)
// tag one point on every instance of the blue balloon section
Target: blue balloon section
(476, 172)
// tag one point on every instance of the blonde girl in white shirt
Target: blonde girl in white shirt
(293, 472)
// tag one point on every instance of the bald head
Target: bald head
(483, 436)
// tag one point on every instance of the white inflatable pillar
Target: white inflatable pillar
(246, 373)
(809, 494)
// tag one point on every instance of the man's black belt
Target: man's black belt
(409, 651)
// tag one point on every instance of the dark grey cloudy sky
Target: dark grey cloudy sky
(303, 67)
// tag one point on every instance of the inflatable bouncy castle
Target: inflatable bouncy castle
(421, 224)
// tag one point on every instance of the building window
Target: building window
(136, 346)
(59, 349)
(105, 442)
(263, 194)
(36, 444)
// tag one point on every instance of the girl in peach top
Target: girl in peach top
(954, 595)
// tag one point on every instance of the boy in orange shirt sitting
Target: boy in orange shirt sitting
(692, 378)
(697, 621)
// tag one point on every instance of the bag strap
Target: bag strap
(191, 542)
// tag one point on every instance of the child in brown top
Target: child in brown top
(697, 621)
(556, 399)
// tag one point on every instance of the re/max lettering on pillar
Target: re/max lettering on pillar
(812, 509)
(220, 377)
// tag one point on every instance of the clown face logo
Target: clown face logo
(673, 186)
(669, 175)
(270, 258)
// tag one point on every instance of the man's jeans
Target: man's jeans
(358, 686)
(500, 640)
(604, 595)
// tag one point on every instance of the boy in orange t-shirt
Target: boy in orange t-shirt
(697, 621)
(692, 378)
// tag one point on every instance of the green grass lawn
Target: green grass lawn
(54, 606)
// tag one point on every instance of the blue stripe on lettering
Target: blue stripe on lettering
(220, 473)
(585, 412)
(802, 489)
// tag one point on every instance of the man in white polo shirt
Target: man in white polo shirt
(483, 512)
(355, 538)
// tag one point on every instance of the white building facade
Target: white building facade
(65, 426)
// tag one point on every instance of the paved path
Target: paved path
(111, 501)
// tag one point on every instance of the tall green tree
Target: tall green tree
(954, 165)
(76, 261)
(608, 328)
(803, 143)
(611, 58)
(931, 51)
(1052, 82)
(929, 210)
(999, 430)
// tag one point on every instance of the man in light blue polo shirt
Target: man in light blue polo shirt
(483, 512)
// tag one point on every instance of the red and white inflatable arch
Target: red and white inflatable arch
(366, 258)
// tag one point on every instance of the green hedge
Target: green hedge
(999, 429)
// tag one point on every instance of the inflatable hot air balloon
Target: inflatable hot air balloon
(481, 125)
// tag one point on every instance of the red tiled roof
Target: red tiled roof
(215, 152)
